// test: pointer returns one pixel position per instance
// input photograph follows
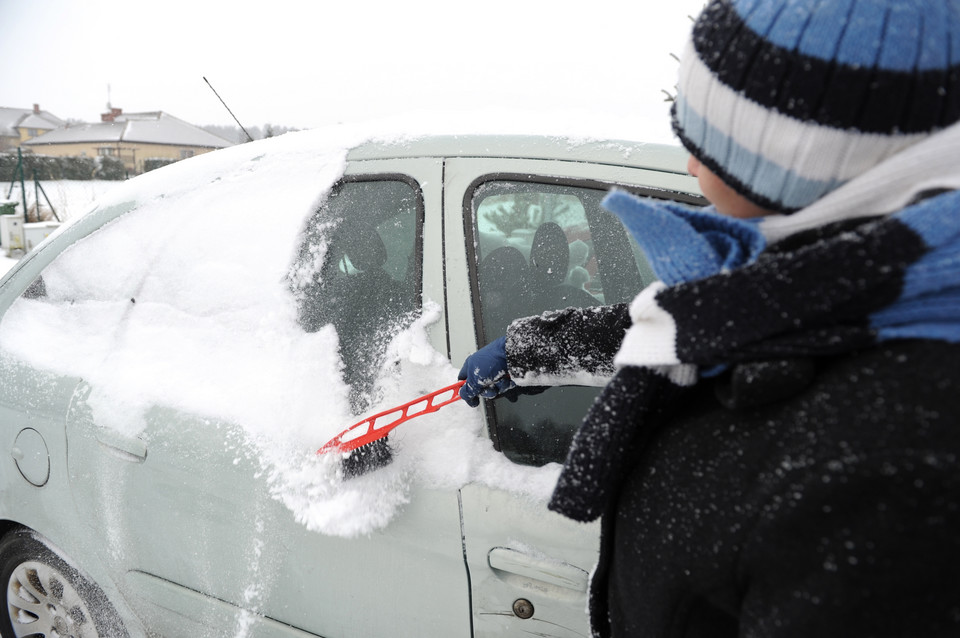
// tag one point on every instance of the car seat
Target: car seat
(549, 263)
(504, 279)
(361, 245)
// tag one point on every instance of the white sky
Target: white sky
(310, 63)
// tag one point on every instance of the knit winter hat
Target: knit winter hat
(785, 100)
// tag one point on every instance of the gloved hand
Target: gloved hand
(485, 372)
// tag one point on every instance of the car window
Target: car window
(358, 269)
(545, 247)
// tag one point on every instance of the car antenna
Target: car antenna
(249, 137)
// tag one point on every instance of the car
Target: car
(173, 360)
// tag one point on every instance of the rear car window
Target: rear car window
(358, 269)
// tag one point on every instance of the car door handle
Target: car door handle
(546, 570)
(129, 448)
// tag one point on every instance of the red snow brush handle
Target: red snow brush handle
(374, 428)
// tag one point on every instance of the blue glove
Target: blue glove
(485, 373)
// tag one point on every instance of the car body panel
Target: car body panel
(232, 542)
(38, 399)
(172, 610)
(177, 521)
(540, 557)
(508, 539)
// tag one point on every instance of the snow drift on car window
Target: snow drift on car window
(186, 302)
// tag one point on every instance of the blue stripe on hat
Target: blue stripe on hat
(859, 26)
(901, 44)
(876, 66)
(935, 46)
(757, 15)
(736, 165)
(825, 30)
(788, 26)
(862, 35)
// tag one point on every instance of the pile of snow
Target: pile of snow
(67, 197)
(186, 304)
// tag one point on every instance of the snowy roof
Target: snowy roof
(12, 118)
(162, 128)
(155, 127)
(100, 132)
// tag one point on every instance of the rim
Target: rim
(42, 602)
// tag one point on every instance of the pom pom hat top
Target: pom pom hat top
(785, 100)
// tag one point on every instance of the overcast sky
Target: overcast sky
(311, 63)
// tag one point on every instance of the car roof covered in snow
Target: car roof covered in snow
(301, 166)
(665, 157)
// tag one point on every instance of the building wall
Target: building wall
(30, 133)
(132, 154)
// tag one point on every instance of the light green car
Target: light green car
(173, 360)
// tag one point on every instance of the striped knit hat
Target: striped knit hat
(785, 100)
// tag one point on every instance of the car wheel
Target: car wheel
(45, 597)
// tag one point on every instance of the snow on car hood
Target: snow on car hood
(186, 304)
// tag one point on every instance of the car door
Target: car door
(536, 239)
(206, 548)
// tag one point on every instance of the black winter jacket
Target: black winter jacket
(811, 489)
(815, 498)
(832, 512)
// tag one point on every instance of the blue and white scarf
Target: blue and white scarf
(847, 273)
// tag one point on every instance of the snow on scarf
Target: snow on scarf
(724, 298)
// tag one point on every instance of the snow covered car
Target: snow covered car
(173, 360)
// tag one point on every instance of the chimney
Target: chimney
(36, 108)
(111, 116)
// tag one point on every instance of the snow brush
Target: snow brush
(376, 427)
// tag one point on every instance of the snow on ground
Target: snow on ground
(193, 311)
(68, 198)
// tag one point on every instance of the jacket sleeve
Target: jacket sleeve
(574, 346)
(857, 547)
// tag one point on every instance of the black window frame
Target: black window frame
(470, 240)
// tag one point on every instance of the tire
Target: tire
(44, 597)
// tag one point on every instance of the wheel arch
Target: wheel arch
(98, 578)
(7, 526)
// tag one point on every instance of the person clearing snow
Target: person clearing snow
(775, 453)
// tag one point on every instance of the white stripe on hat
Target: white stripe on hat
(776, 156)
(933, 163)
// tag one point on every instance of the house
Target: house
(20, 125)
(130, 137)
